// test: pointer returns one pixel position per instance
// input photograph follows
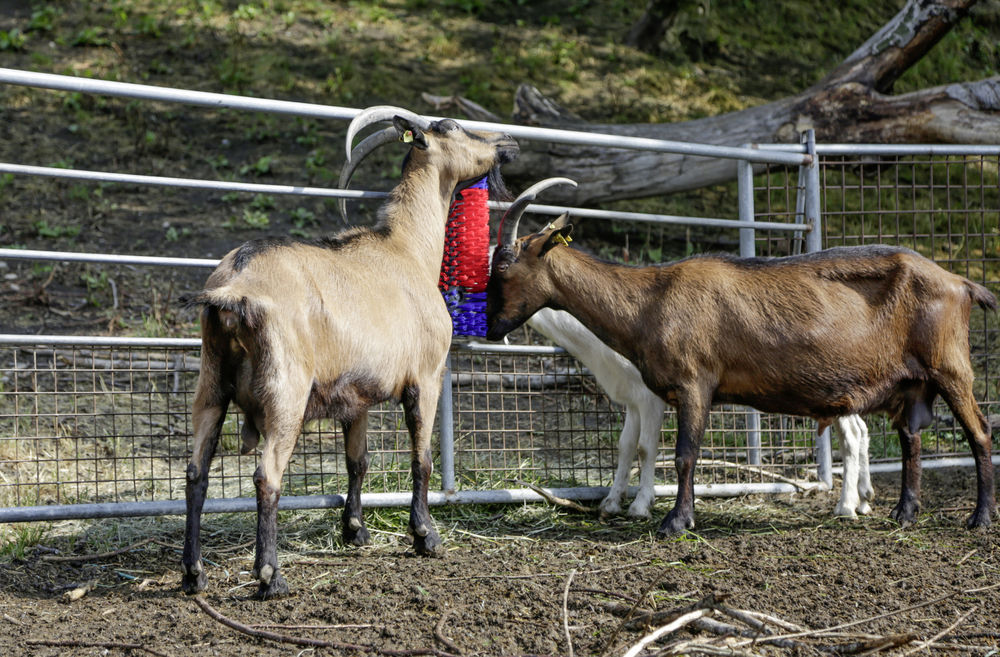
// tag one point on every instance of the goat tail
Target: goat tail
(981, 295)
(233, 312)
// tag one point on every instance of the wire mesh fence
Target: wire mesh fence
(945, 207)
(112, 424)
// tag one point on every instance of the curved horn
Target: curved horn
(507, 232)
(367, 117)
(378, 114)
(360, 152)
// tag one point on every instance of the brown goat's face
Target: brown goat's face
(520, 283)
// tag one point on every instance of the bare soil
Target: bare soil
(501, 587)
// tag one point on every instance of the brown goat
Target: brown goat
(293, 332)
(843, 331)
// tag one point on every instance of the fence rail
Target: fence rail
(94, 427)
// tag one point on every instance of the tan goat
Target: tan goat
(295, 331)
(823, 335)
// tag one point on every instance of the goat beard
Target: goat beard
(496, 185)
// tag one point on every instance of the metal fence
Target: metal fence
(101, 427)
(941, 201)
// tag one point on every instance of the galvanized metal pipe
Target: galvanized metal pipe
(552, 135)
(373, 500)
(222, 185)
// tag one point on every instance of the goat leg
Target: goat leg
(417, 399)
(355, 438)
(207, 421)
(265, 567)
(426, 540)
(977, 433)
(612, 502)
(692, 416)
(906, 510)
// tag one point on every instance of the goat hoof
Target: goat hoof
(980, 519)
(429, 545)
(357, 537)
(610, 507)
(276, 587)
(905, 513)
(194, 583)
(845, 512)
(674, 524)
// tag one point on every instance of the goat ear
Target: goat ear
(559, 234)
(409, 132)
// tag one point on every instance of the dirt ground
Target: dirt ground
(513, 582)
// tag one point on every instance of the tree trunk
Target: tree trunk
(850, 105)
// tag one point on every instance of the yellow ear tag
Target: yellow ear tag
(407, 137)
(563, 239)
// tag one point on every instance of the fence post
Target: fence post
(748, 249)
(814, 242)
(447, 430)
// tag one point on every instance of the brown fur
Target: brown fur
(293, 332)
(849, 330)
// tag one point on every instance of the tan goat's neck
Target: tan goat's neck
(609, 299)
(417, 214)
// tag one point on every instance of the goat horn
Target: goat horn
(360, 152)
(378, 114)
(367, 117)
(507, 232)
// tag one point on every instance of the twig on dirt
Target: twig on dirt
(80, 591)
(70, 558)
(966, 557)
(96, 556)
(439, 634)
(493, 538)
(701, 648)
(610, 594)
(759, 621)
(677, 624)
(870, 646)
(748, 468)
(11, 619)
(306, 641)
(565, 609)
(275, 626)
(927, 603)
(614, 635)
(635, 564)
(107, 645)
(558, 501)
(924, 645)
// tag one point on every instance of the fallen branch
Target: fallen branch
(80, 591)
(439, 634)
(100, 555)
(940, 634)
(107, 645)
(565, 609)
(276, 626)
(306, 641)
(869, 646)
(558, 501)
(748, 468)
(666, 629)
